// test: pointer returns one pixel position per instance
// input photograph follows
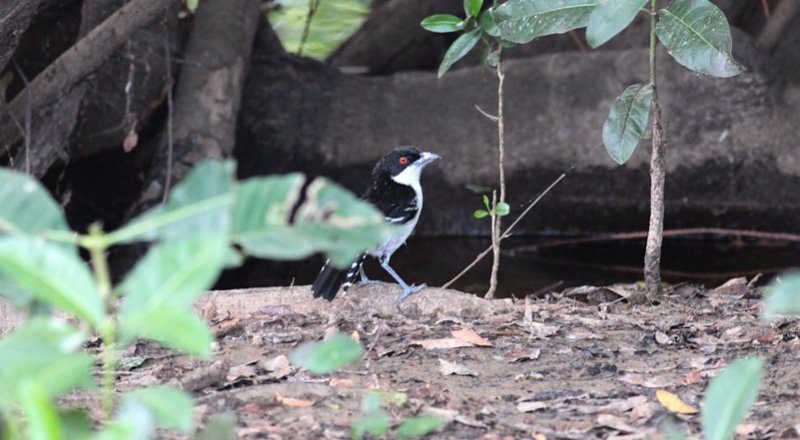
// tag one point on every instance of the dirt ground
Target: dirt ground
(577, 364)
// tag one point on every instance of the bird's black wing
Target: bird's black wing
(398, 203)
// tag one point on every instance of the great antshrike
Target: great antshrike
(396, 191)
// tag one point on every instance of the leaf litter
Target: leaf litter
(598, 368)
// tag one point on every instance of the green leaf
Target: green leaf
(26, 207)
(219, 427)
(173, 274)
(52, 274)
(609, 18)
(76, 423)
(696, 34)
(729, 396)
(330, 219)
(178, 329)
(627, 122)
(783, 296)
(133, 422)
(480, 213)
(487, 203)
(521, 21)
(463, 44)
(503, 209)
(171, 408)
(191, 5)
(40, 413)
(328, 355)
(199, 206)
(472, 7)
(418, 426)
(375, 424)
(43, 350)
(488, 23)
(442, 23)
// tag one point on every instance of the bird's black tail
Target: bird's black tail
(330, 279)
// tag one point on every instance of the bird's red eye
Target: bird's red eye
(403, 160)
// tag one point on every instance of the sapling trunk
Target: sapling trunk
(652, 255)
(495, 218)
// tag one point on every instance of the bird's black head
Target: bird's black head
(407, 161)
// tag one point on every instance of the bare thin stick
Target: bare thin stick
(492, 118)
(507, 232)
(170, 114)
(497, 219)
(495, 248)
(28, 115)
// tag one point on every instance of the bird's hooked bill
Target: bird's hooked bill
(426, 158)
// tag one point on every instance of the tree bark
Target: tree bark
(74, 65)
(15, 16)
(128, 88)
(208, 95)
(782, 17)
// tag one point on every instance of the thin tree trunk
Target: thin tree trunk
(208, 93)
(652, 255)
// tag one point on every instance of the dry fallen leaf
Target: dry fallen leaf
(523, 354)
(663, 339)
(341, 383)
(693, 377)
(614, 422)
(470, 336)
(619, 405)
(445, 414)
(131, 140)
(448, 368)
(531, 406)
(439, 344)
(288, 401)
(539, 330)
(580, 335)
(652, 382)
(240, 371)
(674, 403)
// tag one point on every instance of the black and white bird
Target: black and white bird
(396, 192)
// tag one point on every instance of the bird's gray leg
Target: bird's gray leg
(407, 290)
(364, 279)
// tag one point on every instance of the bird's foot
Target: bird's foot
(367, 282)
(409, 290)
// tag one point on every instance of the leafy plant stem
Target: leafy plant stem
(97, 246)
(109, 355)
(652, 256)
(507, 232)
(496, 219)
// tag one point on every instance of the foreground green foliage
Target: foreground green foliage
(195, 234)
(729, 396)
(340, 350)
